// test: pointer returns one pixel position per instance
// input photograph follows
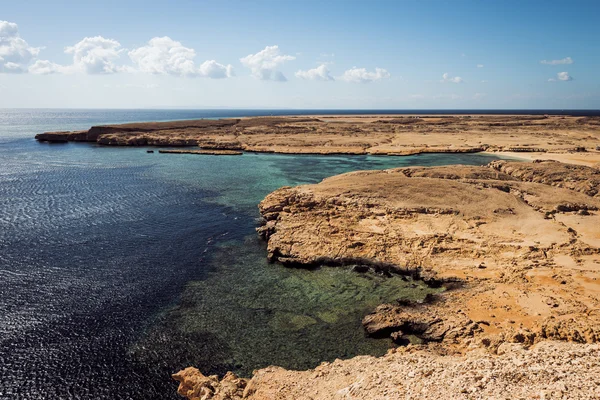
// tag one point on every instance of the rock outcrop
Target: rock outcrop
(525, 246)
(196, 386)
(366, 134)
(517, 246)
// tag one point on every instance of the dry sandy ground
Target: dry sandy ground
(591, 158)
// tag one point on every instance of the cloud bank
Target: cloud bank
(98, 55)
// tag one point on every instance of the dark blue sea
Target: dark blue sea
(118, 267)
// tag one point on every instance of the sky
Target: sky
(300, 54)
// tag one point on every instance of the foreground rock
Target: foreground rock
(550, 370)
(521, 239)
(367, 134)
(196, 386)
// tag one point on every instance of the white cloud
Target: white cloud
(566, 60)
(214, 70)
(264, 64)
(564, 76)
(91, 55)
(361, 75)
(479, 65)
(479, 96)
(15, 53)
(163, 55)
(452, 79)
(45, 67)
(95, 55)
(561, 76)
(321, 73)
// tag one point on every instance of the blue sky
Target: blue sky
(300, 54)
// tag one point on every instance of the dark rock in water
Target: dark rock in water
(361, 269)
(385, 273)
(399, 338)
(149, 151)
(428, 299)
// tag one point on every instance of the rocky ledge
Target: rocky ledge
(521, 239)
(517, 246)
(358, 134)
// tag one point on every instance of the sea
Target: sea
(119, 267)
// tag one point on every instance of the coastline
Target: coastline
(359, 134)
(522, 267)
(515, 242)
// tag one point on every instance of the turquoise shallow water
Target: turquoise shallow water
(118, 267)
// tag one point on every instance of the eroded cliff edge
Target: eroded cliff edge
(522, 238)
(521, 243)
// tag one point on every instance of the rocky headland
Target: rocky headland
(516, 245)
(567, 136)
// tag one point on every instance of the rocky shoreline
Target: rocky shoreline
(366, 134)
(516, 243)
(549, 370)
(521, 238)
